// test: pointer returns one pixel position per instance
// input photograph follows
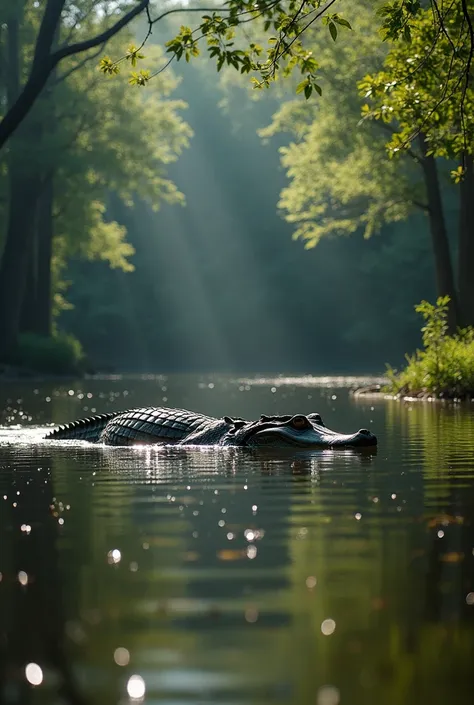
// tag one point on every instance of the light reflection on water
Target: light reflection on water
(231, 576)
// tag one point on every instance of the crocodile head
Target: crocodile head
(297, 430)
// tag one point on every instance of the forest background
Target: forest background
(177, 226)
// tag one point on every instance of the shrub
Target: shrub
(445, 367)
(60, 354)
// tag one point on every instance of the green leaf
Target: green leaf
(343, 22)
(139, 78)
(458, 174)
(308, 90)
(333, 30)
(302, 86)
(108, 66)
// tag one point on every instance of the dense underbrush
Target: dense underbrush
(445, 366)
(60, 354)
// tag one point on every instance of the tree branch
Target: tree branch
(418, 158)
(47, 32)
(467, 17)
(82, 63)
(44, 61)
(79, 47)
(80, 19)
(303, 29)
(257, 7)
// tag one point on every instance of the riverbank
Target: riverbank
(443, 369)
(379, 392)
(15, 373)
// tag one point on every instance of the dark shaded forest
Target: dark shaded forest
(187, 226)
(221, 285)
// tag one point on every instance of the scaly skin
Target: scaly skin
(145, 425)
(180, 427)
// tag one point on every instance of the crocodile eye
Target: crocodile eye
(299, 422)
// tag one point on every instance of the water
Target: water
(230, 576)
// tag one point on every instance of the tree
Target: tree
(46, 57)
(284, 52)
(424, 95)
(123, 156)
(64, 160)
(341, 179)
(223, 33)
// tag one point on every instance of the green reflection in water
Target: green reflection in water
(232, 563)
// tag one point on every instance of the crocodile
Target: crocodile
(158, 425)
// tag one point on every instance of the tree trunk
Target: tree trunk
(466, 244)
(439, 236)
(13, 53)
(24, 188)
(37, 309)
(24, 194)
(28, 307)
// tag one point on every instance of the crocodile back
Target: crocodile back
(152, 425)
(82, 430)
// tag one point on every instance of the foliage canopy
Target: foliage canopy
(285, 27)
(425, 86)
(340, 180)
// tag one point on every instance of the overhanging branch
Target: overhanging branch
(44, 61)
(79, 47)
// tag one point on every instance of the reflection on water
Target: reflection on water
(187, 576)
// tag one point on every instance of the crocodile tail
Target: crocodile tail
(84, 429)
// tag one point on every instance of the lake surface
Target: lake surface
(184, 576)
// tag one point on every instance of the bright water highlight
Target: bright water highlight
(188, 576)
